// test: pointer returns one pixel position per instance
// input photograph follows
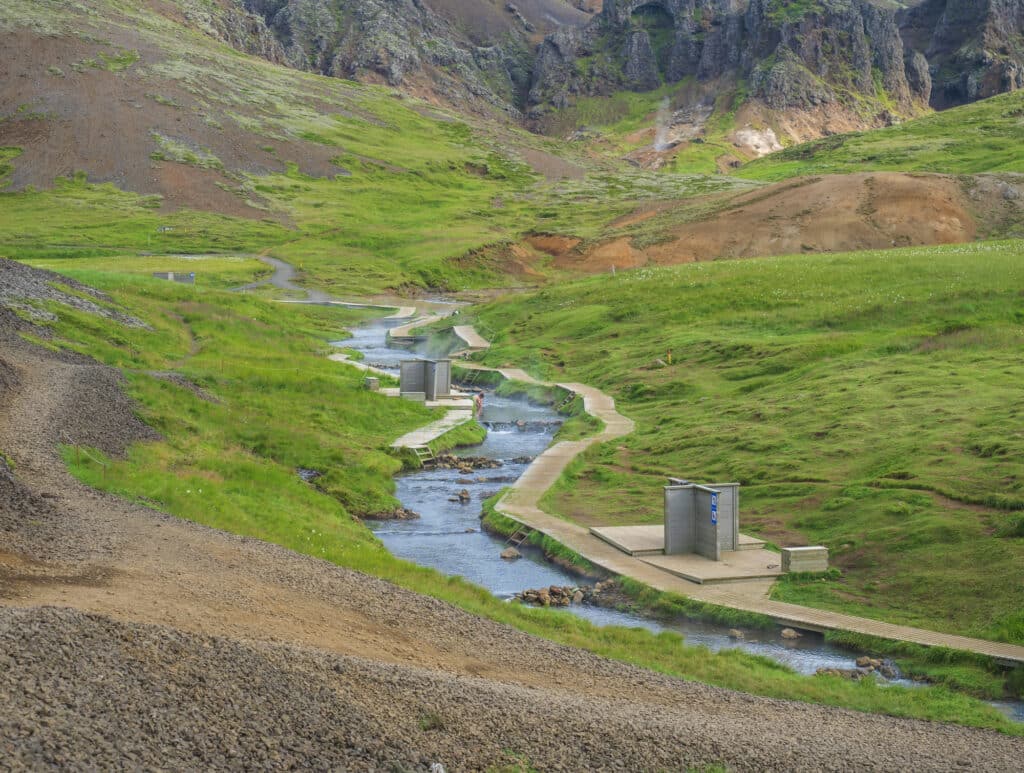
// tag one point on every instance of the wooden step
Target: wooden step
(519, 536)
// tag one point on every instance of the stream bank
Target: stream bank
(450, 537)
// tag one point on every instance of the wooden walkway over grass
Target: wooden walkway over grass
(425, 435)
(521, 504)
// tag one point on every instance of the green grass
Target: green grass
(7, 155)
(78, 219)
(790, 11)
(282, 404)
(963, 671)
(178, 151)
(212, 271)
(231, 464)
(865, 401)
(616, 115)
(401, 221)
(984, 136)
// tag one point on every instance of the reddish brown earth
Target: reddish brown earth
(101, 122)
(552, 244)
(836, 213)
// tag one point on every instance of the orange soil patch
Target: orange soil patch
(553, 245)
(619, 253)
(837, 213)
(803, 125)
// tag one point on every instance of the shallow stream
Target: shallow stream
(448, 537)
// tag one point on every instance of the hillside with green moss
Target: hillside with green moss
(982, 137)
(866, 401)
(203, 148)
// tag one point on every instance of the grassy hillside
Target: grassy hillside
(364, 188)
(867, 401)
(986, 136)
(278, 404)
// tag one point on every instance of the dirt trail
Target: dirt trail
(108, 604)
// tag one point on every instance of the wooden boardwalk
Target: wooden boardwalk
(424, 435)
(404, 332)
(474, 341)
(347, 359)
(521, 504)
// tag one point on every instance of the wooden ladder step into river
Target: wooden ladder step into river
(568, 399)
(423, 453)
(519, 536)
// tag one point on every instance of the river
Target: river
(448, 537)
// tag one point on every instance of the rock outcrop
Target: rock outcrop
(478, 57)
(791, 55)
(973, 48)
(855, 55)
(238, 28)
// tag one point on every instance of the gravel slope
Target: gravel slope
(130, 639)
(83, 691)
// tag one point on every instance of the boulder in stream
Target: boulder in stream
(556, 595)
(846, 673)
(789, 633)
(510, 553)
(395, 514)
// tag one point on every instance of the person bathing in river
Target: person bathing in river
(478, 405)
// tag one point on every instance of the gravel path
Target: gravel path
(131, 639)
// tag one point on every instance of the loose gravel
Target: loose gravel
(27, 290)
(84, 692)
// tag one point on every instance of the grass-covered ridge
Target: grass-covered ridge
(981, 137)
(231, 464)
(363, 188)
(867, 401)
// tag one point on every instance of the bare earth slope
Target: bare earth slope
(834, 213)
(105, 123)
(130, 637)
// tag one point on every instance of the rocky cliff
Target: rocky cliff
(857, 57)
(236, 26)
(973, 48)
(475, 54)
(797, 54)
